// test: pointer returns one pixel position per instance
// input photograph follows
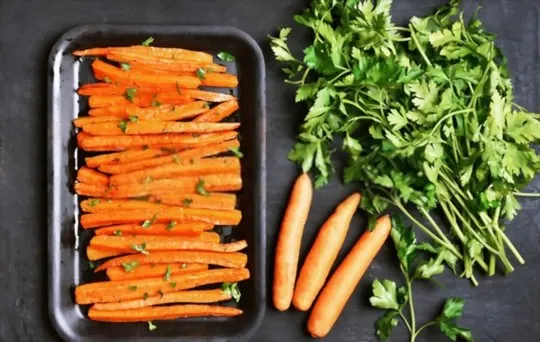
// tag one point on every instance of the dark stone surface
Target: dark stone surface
(501, 309)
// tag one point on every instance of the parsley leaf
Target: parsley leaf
(93, 202)
(151, 326)
(123, 125)
(200, 188)
(201, 73)
(148, 223)
(168, 273)
(186, 202)
(232, 289)
(236, 151)
(132, 287)
(386, 324)
(133, 118)
(171, 225)
(130, 266)
(384, 295)
(125, 66)
(225, 56)
(130, 94)
(140, 248)
(148, 41)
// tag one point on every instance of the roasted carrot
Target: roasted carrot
(188, 184)
(123, 157)
(81, 137)
(205, 151)
(118, 111)
(156, 127)
(233, 260)
(127, 141)
(323, 253)
(93, 205)
(99, 51)
(93, 253)
(141, 79)
(152, 271)
(165, 243)
(289, 240)
(219, 112)
(141, 100)
(174, 229)
(218, 217)
(90, 176)
(213, 79)
(206, 95)
(342, 283)
(217, 201)
(183, 167)
(162, 313)
(119, 290)
(193, 296)
(181, 112)
(79, 122)
(162, 52)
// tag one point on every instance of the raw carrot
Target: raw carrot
(342, 283)
(205, 151)
(162, 313)
(119, 290)
(124, 157)
(127, 141)
(156, 127)
(183, 167)
(90, 176)
(214, 79)
(178, 229)
(193, 296)
(141, 79)
(188, 184)
(219, 112)
(289, 240)
(153, 271)
(79, 122)
(218, 217)
(323, 253)
(99, 51)
(165, 243)
(232, 260)
(162, 52)
(215, 200)
(93, 253)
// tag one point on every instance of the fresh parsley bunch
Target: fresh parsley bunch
(426, 114)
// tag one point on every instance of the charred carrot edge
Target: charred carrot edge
(184, 167)
(165, 52)
(193, 296)
(166, 243)
(131, 141)
(323, 253)
(217, 201)
(140, 79)
(119, 290)
(79, 122)
(187, 184)
(169, 229)
(154, 313)
(220, 80)
(342, 283)
(140, 100)
(93, 253)
(123, 157)
(91, 176)
(153, 271)
(205, 151)
(289, 240)
(99, 51)
(219, 112)
(157, 127)
(233, 260)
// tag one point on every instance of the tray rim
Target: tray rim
(53, 235)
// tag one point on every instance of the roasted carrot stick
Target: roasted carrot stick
(156, 127)
(152, 271)
(118, 111)
(233, 260)
(162, 313)
(162, 52)
(165, 243)
(81, 137)
(181, 112)
(93, 253)
(174, 229)
(218, 217)
(206, 95)
(79, 122)
(323, 253)
(119, 290)
(123, 157)
(90, 176)
(93, 205)
(205, 151)
(188, 184)
(184, 167)
(342, 283)
(193, 296)
(142, 79)
(99, 51)
(127, 141)
(217, 201)
(141, 100)
(289, 240)
(214, 79)
(219, 112)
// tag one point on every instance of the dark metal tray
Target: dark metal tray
(67, 262)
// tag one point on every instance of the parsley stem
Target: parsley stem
(428, 324)
(462, 111)
(411, 306)
(492, 264)
(526, 194)
(422, 52)
(405, 320)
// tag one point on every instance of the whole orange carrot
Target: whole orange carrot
(323, 253)
(290, 237)
(341, 285)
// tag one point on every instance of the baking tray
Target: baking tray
(67, 262)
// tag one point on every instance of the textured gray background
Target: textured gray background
(501, 309)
